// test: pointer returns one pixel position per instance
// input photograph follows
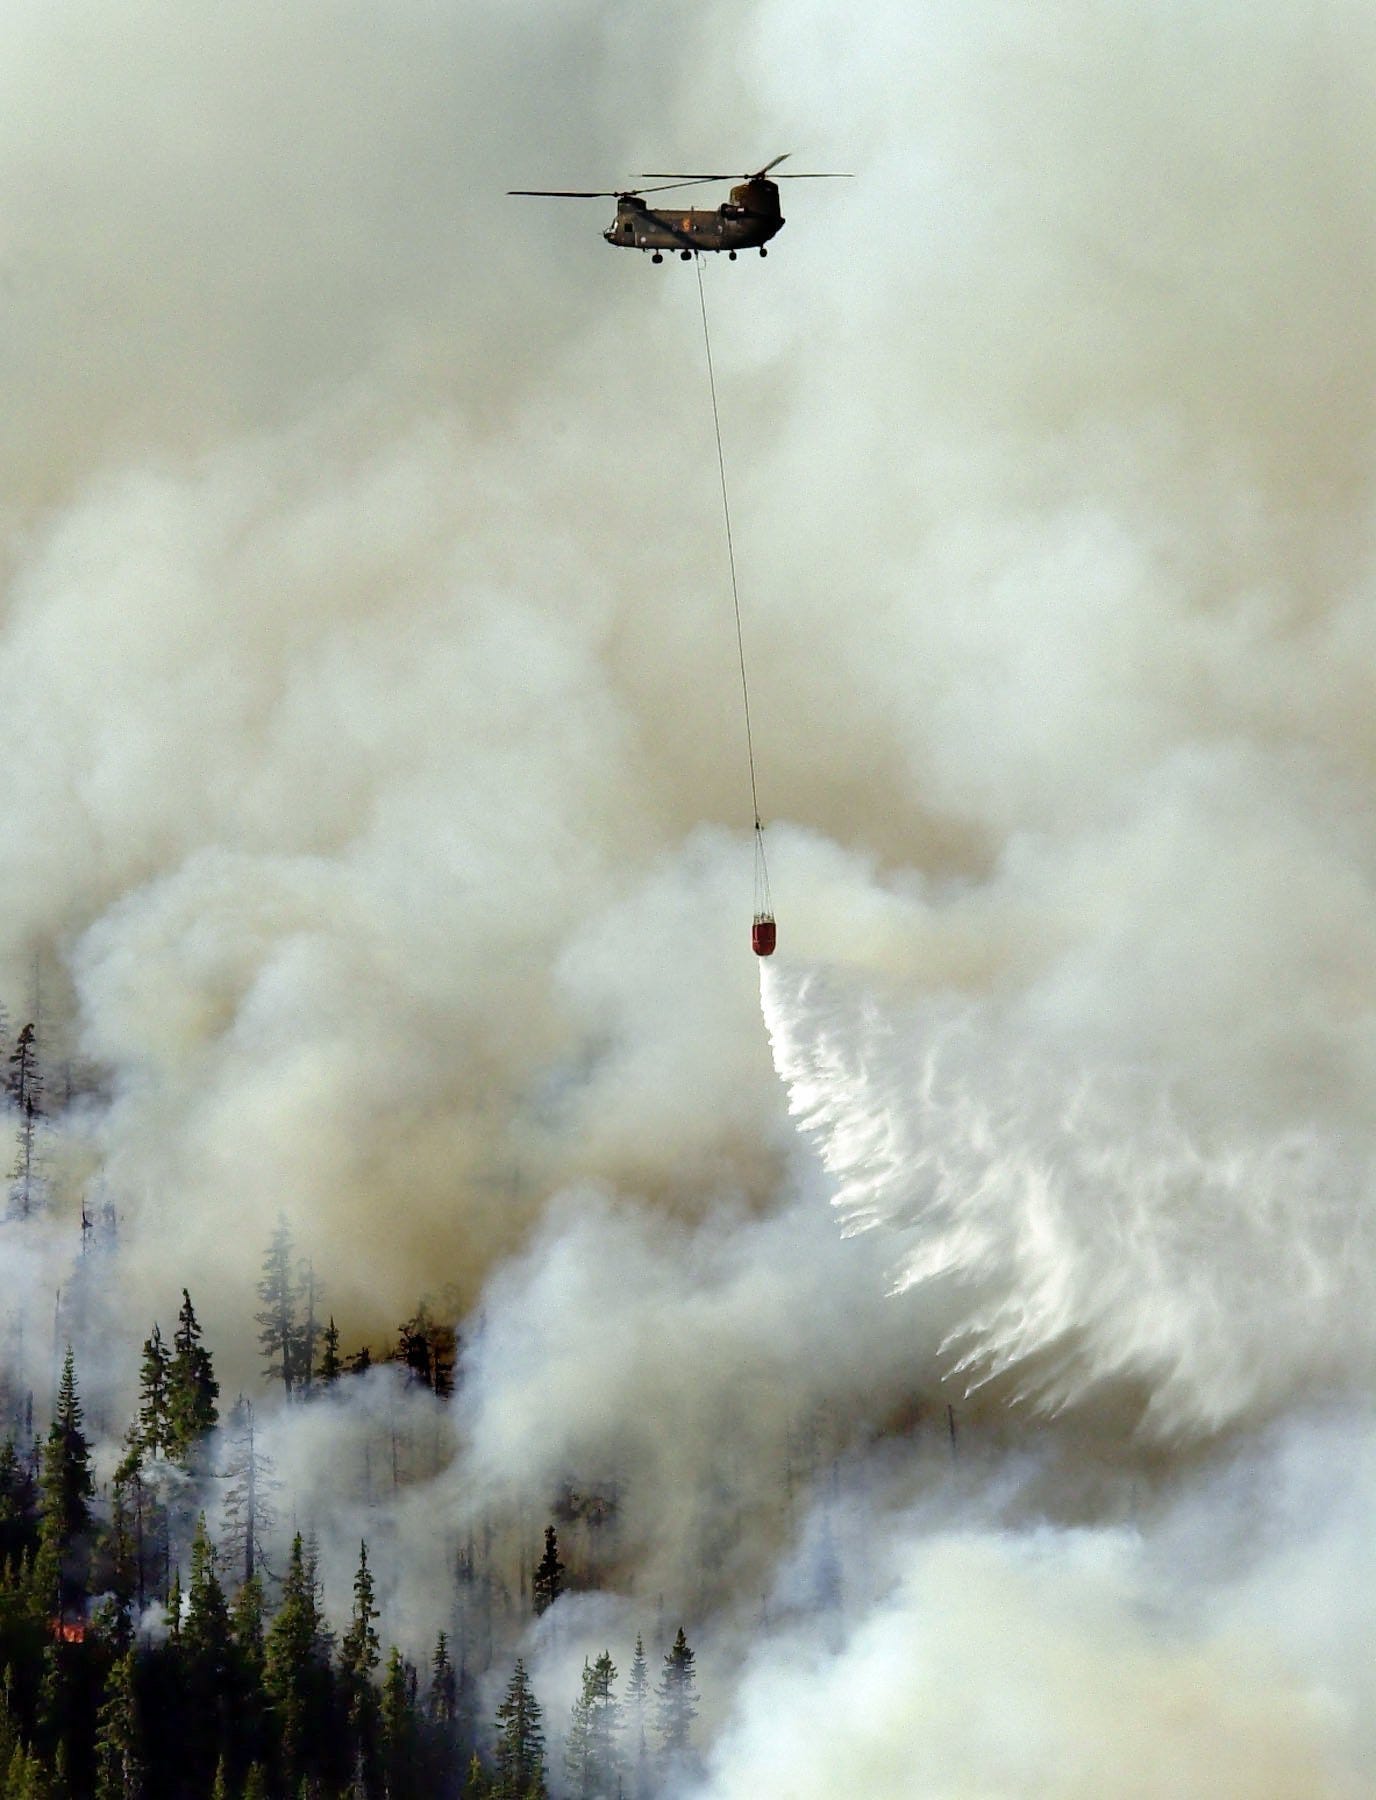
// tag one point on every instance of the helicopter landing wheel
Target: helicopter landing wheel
(731, 256)
(656, 257)
(687, 255)
(763, 251)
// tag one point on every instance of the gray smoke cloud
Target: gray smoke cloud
(376, 820)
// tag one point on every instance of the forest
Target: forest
(143, 1659)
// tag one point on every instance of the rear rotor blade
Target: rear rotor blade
(817, 175)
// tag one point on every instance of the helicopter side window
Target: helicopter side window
(628, 228)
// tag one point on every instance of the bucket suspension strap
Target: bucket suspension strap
(762, 903)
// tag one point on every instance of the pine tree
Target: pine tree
(359, 1654)
(278, 1331)
(637, 1710)
(119, 1564)
(248, 1655)
(205, 1662)
(330, 1364)
(310, 1293)
(25, 1083)
(147, 1520)
(578, 1742)
(592, 1757)
(520, 1741)
(154, 1427)
(678, 1706)
(296, 1670)
(192, 1389)
(248, 1514)
(66, 1488)
(18, 1505)
(548, 1581)
(121, 1768)
(443, 1700)
(399, 1727)
(477, 1786)
(678, 1701)
(442, 1715)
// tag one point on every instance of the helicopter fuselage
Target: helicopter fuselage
(744, 222)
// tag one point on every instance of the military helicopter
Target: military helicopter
(745, 221)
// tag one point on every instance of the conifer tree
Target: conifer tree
(24, 1082)
(65, 1511)
(637, 1720)
(278, 1332)
(331, 1366)
(154, 1428)
(592, 1757)
(248, 1655)
(18, 1508)
(309, 1293)
(548, 1581)
(359, 1654)
(520, 1742)
(248, 1513)
(477, 1786)
(399, 1727)
(121, 1768)
(192, 1389)
(442, 1714)
(205, 1661)
(296, 1673)
(442, 1701)
(147, 1521)
(677, 1696)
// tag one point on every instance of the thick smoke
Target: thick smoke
(376, 830)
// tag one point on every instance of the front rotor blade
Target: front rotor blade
(817, 175)
(568, 193)
(772, 165)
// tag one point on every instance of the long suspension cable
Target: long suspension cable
(761, 869)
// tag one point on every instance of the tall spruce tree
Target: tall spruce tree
(296, 1671)
(399, 1734)
(548, 1581)
(359, 1654)
(678, 1707)
(154, 1427)
(592, 1751)
(205, 1664)
(65, 1488)
(331, 1366)
(24, 1082)
(121, 1765)
(309, 1294)
(249, 1486)
(278, 1332)
(520, 1750)
(192, 1389)
(637, 1723)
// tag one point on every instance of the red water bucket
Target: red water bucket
(763, 934)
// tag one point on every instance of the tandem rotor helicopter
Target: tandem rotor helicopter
(746, 220)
